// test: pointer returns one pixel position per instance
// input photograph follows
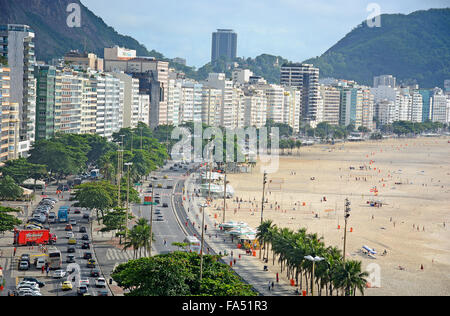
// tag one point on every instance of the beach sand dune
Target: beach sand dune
(410, 176)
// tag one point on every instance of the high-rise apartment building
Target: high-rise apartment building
(441, 106)
(227, 114)
(68, 117)
(427, 104)
(331, 97)
(224, 44)
(384, 80)
(306, 79)
(9, 128)
(211, 105)
(131, 99)
(255, 108)
(16, 44)
(45, 100)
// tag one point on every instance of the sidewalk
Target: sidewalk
(250, 268)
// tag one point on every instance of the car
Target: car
(100, 283)
(86, 216)
(68, 228)
(86, 245)
(87, 255)
(39, 263)
(67, 286)
(95, 273)
(84, 281)
(158, 212)
(91, 263)
(83, 230)
(71, 250)
(27, 284)
(82, 290)
(70, 259)
(165, 205)
(59, 274)
(102, 293)
(27, 292)
(73, 222)
(24, 266)
(70, 235)
(25, 257)
(41, 284)
(72, 241)
(160, 218)
(160, 186)
(150, 185)
(85, 237)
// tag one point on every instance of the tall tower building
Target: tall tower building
(306, 79)
(224, 44)
(384, 80)
(16, 44)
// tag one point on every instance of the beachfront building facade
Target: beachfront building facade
(17, 46)
(331, 97)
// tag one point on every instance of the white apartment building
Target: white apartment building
(241, 76)
(227, 114)
(110, 99)
(441, 106)
(292, 107)
(211, 106)
(416, 107)
(331, 103)
(131, 100)
(275, 102)
(68, 116)
(387, 112)
(255, 108)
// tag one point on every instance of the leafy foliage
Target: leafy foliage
(177, 274)
(9, 190)
(21, 170)
(8, 221)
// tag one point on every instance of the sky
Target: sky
(294, 29)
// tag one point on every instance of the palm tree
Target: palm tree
(349, 278)
(262, 235)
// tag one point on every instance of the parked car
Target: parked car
(83, 230)
(24, 265)
(41, 284)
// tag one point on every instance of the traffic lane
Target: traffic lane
(167, 230)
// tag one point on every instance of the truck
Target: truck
(63, 214)
(33, 237)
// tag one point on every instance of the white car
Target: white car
(84, 282)
(59, 274)
(27, 284)
(100, 283)
(70, 235)
(26, 292)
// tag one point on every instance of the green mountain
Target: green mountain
(54, 38)
(415, 48)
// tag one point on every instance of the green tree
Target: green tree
(8, 221)
(21, 170)
(9, 190)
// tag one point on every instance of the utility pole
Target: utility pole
(203, 242)
(263, 197)
(225, 192)
(128, 164)
(347, 215)
(151, 217)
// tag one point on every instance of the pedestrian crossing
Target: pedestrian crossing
(117, 255)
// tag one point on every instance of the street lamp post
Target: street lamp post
(263, 197)
(202, 207)
(313, 260)
(128, 164)
(347, 215)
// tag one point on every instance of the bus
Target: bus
(54, 258)
(194, 244)
(63, 214)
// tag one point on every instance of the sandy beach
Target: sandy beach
(411, 177)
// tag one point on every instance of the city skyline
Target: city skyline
(176, 32)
